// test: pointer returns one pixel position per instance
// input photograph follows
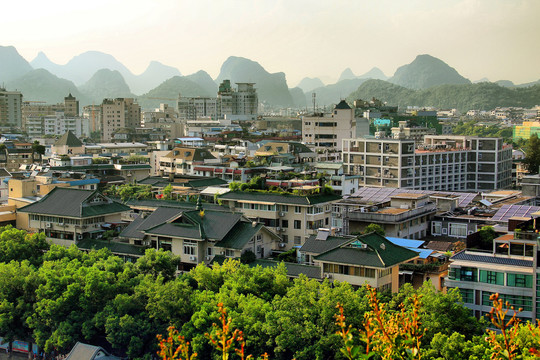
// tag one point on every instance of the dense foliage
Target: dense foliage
(64, 295)
(481, 96)
(472, 128)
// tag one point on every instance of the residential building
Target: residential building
(67, 216)
(366, 259)
(325, 132)
(68, 144)
(10, 108)
(451, 163)
(511, 269)
(93, 114)
(404, 131)
(237, 104)
(193, 108)
(17, 154)
(118, 113)
(200, 236)
(284, 152)
(293, 217)
(182, 160)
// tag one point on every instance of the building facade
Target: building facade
(117, 114)
(10, 108)
(458, 163)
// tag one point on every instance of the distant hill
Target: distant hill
(298, 96)
(307, 84)
(505, 83)
(332, 94)
(170, 89)
(12, 64)
(426, 71)
(43, 86)
(82, 67)
(155, 74)
(205, 81)
(481, 96)
(271, 88)
(106, 84)
(374, 73)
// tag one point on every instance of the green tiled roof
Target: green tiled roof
(85, 167)
(197, 183)
(73, 203)
(134, 166)
(115, 247)
(314, 246)
(239, 236)
(278, 198)
(379, 253)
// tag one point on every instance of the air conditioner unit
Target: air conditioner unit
(79, 237)
(327, 276)
(278, 228)
(222, 253)
(208, 257)
(192, 258)
(338, 215)
(61, 224)
(48, 225)
(282, 214)
(281, 245)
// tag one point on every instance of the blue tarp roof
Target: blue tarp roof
(408, 243)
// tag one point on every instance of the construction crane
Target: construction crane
(160, 98)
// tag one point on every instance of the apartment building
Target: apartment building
(10, 108)
(192, 108)
(293, 217)
(67, 216)
(325, 132)
(511, 269)
(452, 163)
(117, 114)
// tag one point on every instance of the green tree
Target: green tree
(37, 148)
(18, 245)
(375, 228)
(532, 158)
(487, 234)
(158, 263)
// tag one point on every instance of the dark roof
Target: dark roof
(293, 270)
(69, 139)
(154, 203)
(198, 183)
(279, 198)
(74, 203)
(161, 215)
(89, 352)
(378, 252)
(117, 248)
(4, 172)
(440, 245)
(214, 225)
(312, 245)
(239, 236)
(342, 105)
(463, 255)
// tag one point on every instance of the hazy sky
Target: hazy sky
(497, 39)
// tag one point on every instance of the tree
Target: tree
(37, 148)
(158, 263)
(18, 245)
(487, 234)
(532, 158)
(375, 228)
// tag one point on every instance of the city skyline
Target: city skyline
(480, 39)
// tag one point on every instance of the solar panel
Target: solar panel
(372, 194)
(508, 211)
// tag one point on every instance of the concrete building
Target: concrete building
(511, 269)
(193, 108)
(117, 114)
(458, 163)
(293, 217)
(10, 108)
(325, 132)
(237, 104)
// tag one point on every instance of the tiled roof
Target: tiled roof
(465, 256)
(73, 203)
(314, 246)
(342, 105)
(136, 229)
(278, 198)
(239, 235)
(154, 203)
(115, 247)
(379, 252)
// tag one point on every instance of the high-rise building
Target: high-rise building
(71, 105)
(117, 114)
(10, 108)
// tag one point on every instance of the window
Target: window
(229, 253)
(519, 280)
(297, 240)
(285, 238)
(491, 277)
(467, 295)
(210, 251)
(284, 208)
(459, 230)
(298, 224)
(284, 224)
(463, 274)
(190, 247)
(297, 210)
